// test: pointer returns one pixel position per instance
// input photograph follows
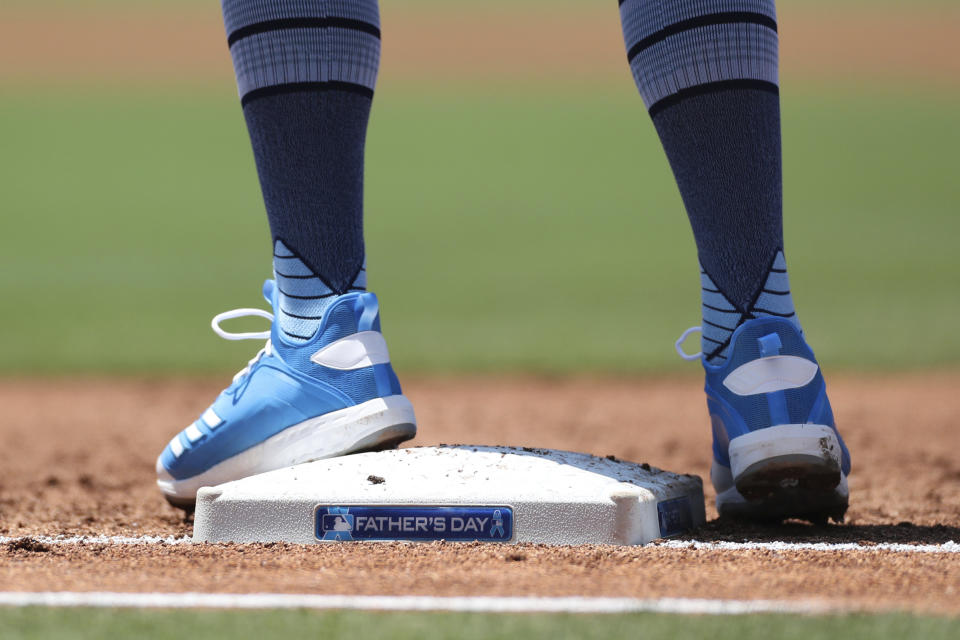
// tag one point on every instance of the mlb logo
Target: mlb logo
(337, 522)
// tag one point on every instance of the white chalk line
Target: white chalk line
(472, 604)
(99, 540)
(946, 547)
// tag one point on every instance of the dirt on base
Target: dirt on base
(77, 458)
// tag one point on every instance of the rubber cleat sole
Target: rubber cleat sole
(817, 509)
(790, 486)
(783, 472)
(771, 477)
(382, 423)
(190, 504)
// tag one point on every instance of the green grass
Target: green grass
(101, 624)
(535, 229)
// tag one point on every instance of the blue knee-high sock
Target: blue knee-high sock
(306, 72)
(707, 72)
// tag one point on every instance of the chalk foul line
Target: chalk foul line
(945, 547)
(476, 604)
(98, 540)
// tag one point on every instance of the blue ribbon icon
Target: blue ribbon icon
(497, 529)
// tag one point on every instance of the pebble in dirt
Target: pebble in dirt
(454, 493)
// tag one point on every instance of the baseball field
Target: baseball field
(534, 266)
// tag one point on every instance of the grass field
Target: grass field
(83, 624)
(534, 229)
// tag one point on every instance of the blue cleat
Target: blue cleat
(777, 453)
(333, 395)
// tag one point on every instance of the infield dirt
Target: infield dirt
(137, 46)
(78, 459)
(77, 455)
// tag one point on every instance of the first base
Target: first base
(454, 493)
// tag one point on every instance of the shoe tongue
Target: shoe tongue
(269, 291)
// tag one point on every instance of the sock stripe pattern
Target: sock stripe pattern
(280, 46)
(303, 295)
(775, 298)
(301, 23)
(721, 317)
(678, 46)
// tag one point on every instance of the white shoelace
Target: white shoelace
(265, 335)
(250, 335)
(678, 345)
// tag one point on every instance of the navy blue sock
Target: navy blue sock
(306, 71)
(309, 153)
(707, 71)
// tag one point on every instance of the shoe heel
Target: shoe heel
(795, 461)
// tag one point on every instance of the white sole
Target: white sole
(817, 441)
(377, 423)
(787, 471)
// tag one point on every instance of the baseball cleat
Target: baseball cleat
(333, 395)
(777, 453)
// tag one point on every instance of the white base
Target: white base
(556, 497)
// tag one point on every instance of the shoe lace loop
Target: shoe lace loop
(250, 335)
(240, 313)
(678, 345)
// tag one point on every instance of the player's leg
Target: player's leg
(708, 73)
(323, 385)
